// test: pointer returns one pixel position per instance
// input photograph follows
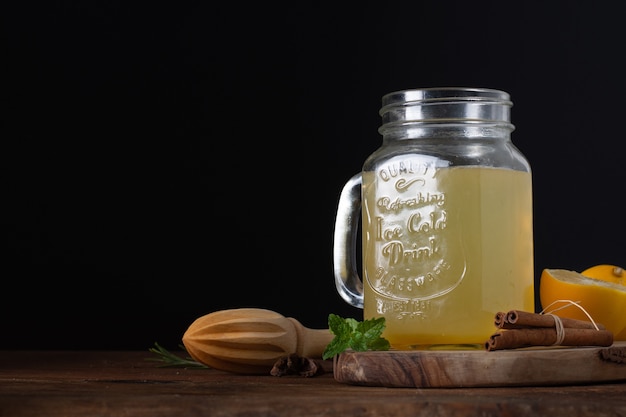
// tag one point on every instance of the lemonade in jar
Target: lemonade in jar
(446, 218)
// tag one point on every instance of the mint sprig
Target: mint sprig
(359, 336)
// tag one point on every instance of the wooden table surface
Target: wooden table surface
(124, 383)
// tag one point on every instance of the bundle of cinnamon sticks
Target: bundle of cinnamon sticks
(519, 329)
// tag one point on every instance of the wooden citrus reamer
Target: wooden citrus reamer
(251, 340)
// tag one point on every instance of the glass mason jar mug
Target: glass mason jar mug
(445, 206)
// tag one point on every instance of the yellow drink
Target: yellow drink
(445, 249)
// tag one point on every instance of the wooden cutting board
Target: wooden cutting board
(537, 366)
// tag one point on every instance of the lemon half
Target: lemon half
(604, 301)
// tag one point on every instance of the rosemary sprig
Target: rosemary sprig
(170, 359)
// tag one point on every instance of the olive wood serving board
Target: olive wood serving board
(536, 366)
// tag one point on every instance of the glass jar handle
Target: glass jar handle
(347, 279)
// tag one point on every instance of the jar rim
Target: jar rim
(446, 105)
(423, 96)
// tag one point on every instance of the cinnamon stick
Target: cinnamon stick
(519, 319)
(518, 338)
(500, 319)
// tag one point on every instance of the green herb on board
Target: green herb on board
(359, 336)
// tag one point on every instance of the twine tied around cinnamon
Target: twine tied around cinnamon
(524, 329)
(569, 303)
(559, 327)
(560, 330)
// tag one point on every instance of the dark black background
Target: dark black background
(163, 161)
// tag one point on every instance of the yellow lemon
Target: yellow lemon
(604, 301)
(605, 272)
(609, 273)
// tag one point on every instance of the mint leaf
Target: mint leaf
(342, 329)
(352, 334)
(339, 326)
(335, 347)
(372, 328)
(379, 344)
